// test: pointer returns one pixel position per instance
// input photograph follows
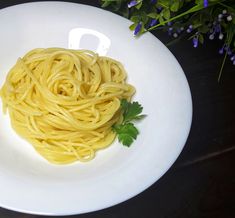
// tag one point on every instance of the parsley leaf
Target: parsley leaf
(130, 110)
(126, 131)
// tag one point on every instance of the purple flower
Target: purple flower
(159, 9)
(221, 36)
(205, 3)
(132, 3)
(220, 16)
(224, 11)
(221, 51)
(153, 1)
(232, 58)
(226, 47)
(229, 51)
(212, 36)
(137, 29)
(229, 17)
(217, 28)
(170, 29)
(153, 22)
(169, 23)
(190, 28)
(179, 30)
(175, 35)
(195, 42)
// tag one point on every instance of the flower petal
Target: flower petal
(137, 29)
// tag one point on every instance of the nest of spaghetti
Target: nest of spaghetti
(65, 102)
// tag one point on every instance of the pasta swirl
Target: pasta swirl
(64, 102)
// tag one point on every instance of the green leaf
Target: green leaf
(106, 4)
(166, 13)
(203, 29)
(124, 104)
(175, 6)
(135, 18)
(199, 2)
(143, 30)
(125, 139)
(161, 20)
(117, 5)
(140, 117)
(144, 17)
(164, 3)
(138, 6)
(181, 3)
(133, 26)
(126, 133)
(153, 15)
(196, 25)
(201, 38)
(130, 110)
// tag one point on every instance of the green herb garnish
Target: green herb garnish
(126, 131)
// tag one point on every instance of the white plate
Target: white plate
(30, 184)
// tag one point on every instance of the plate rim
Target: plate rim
(169, 164)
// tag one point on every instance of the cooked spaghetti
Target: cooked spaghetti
(64, 102)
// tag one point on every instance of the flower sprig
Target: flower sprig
(195, 19)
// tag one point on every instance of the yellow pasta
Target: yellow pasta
(64, 102)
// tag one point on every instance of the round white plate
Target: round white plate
(30, 184)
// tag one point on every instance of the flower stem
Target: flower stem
(226, 6)
(222, 66)
(191, 10)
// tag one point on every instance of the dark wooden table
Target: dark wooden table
(201, 183)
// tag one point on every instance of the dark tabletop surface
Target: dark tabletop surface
(201, 183)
